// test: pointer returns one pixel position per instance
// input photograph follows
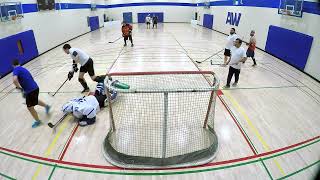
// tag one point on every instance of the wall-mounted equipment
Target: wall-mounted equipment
(10, 11)
(291, 8)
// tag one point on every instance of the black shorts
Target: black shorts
(227, 52)
(127, 37)
(32, 98)
(88, 67)
(250, 53)
(148, 23)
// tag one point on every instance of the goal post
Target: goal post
(165, 119)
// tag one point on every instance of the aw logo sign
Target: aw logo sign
(233, 18)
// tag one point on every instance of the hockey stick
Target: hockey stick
(59, 88)
(210, 56)
(57, 123)
(115, 40)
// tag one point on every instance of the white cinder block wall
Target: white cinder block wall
(260, 19)
(52, 28)
(171, 13)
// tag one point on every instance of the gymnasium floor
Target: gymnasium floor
(268, 127)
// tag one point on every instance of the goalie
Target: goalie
(86, 108)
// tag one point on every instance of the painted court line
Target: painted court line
(52, 145)
(253, 128)
(49, 162)
(69, 141)
(246, 137)
(165, 173)
(6, 176)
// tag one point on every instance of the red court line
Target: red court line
(117, 168)
(234, 120)
(69, 141)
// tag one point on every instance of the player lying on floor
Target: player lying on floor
(85, 109)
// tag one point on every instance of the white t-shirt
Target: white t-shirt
(84, 57)
(236, 55)
(230, 40)
(148, 19)
(79, 107)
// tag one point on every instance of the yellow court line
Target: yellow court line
(52, 145)
(253, 128)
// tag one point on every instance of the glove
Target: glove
(70, 75)
(75, 67)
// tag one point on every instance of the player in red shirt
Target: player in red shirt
(127, 33)
(252, 47)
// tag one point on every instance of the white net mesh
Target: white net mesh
(160, 120)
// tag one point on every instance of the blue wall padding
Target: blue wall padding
(142, 16)
(94, 23)
(74, 6)
(127, 17)
(9, 50)
(290, 46)
(208, 21)
(30, 8)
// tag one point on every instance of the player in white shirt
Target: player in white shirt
(148, 21)
(238, 56)
(84, 109)
(230, 42)
(78, 56)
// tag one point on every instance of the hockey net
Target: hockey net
(165, 119)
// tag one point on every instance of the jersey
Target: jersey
(252, 43)
(25, 79)
(148, 19)
(79, 107)
(230, 41)
(155, 19)
(236, 55)
(126, 30)
(83, 57)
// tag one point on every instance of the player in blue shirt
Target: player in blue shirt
(23, 81)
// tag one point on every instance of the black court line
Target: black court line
(300, 88)
(114, 62)
(312, 81)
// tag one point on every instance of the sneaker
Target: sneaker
(125, 45)
(83, 123)
(226, 87)
(254, 65)
(131, 45)
(234, 84)
(47, 109)
(36, 124)
(85, 90)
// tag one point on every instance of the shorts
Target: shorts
(127, 37)
(32, 98)
(148, 23)
(250, 53)
(227, 52)
(88, 67)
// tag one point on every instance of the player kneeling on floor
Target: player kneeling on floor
(86, 108)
